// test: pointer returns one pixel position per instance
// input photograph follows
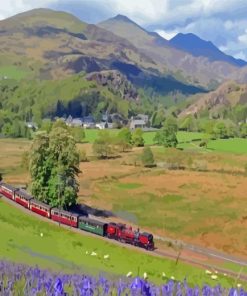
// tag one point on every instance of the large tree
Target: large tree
(103, 145)
(124, 139)
(167, 135)
(220, 131)
(137, 138)
(54, 165)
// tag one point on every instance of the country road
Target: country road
(221, 258)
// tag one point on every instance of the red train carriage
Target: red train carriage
(40, 208)
(23, 198)
(113, 230)
(64, 217)
(7, 190)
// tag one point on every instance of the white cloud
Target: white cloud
(241, 55)
(145, 11)
(167, 34)
(243, 38)
(11, 7)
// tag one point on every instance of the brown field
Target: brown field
(207, 208)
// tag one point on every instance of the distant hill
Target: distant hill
(227, 95)
(199, 47)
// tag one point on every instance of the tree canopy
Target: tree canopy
(167, 135)
(124, 139)
(137, 138)
(147, 157)
(103, 145)
(54, 165)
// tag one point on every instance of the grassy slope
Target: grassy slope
(64, 250)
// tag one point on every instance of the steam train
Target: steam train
(116, 231)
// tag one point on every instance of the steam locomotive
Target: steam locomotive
(116, 231)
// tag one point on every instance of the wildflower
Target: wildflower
(214, 277)
(239, 285)
(93, 254)
(87, 253)
(106, 256)
(172, 278)
(41, 234)
(225, 274)
(163, 275)
(208, 272)
(145, 276)
(129, 274)
(136, 284)
(58, 287)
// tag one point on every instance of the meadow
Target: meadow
(186, 140)
(12, 72)
(200, 201)
(62, 250)
(235, 145)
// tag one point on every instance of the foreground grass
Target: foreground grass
(61, 249)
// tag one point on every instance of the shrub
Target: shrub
(147, 157)
(83, 156)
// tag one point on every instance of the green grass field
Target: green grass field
(12, 72)
(63, 250)
(186, 140)
(229, 145)
(92, 134)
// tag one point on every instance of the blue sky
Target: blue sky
(223, 22)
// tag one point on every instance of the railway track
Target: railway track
(157, 252)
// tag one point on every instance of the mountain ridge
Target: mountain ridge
(196, 46)
(193, 68)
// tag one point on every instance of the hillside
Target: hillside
(74, 95)
(198, 47)
(46, 44)
(224, 98)
(50, 44)
(198, 70)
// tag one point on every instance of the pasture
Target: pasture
(12, 72)
(186, 140)
(201, 202)
(235, 145)
(62, 250)
(91, 135)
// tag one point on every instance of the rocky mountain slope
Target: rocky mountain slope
(47, 44)
(197, 69)
(228, 95)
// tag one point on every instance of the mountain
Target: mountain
(197, 70)
(122, 26)
(199, 47)
(48, 44)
